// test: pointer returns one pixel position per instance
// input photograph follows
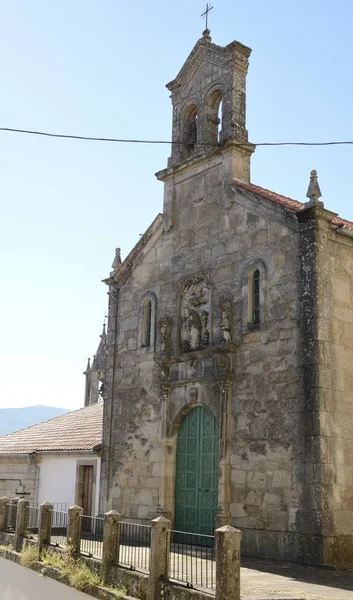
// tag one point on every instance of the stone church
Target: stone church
(228, 380)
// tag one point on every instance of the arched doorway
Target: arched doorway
(196, 477)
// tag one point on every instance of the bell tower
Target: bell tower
(210, 147)
(209, 105)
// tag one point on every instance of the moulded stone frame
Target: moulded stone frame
(150, 295)
(172, 438)
(187, 109)
(210, 314)
(246, 285)
(207, 107)
(78, 486)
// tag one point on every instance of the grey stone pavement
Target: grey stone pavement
(272, 580)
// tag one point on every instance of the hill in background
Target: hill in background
(12, 419)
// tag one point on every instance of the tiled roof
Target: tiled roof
(287, 202)
(77, 430)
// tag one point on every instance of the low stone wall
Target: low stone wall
(144, 586)
(172, 592)
(7, 539)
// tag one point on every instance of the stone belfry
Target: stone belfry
(95, 373)
(209, 115)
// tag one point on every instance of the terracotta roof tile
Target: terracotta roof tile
(287, 202)
(77, 430)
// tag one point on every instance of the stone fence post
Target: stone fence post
(160, 551)
(228, 540)
(44, 529)
(74, 528)
(22, 517)
(111, 542)
(4, 510)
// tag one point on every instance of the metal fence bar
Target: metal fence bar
(11, 516)
(59, 521)
(135, 546)
(193, 560)
(61, 506)
(92, 530)
(33, 520)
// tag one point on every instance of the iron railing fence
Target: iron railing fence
(11, 516)
(135, 546)
(59, 521)
(92, 529)
(193, 559)
(61, 506)
(33, 520)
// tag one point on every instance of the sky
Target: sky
(99, 68)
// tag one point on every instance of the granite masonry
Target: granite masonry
(228, 389)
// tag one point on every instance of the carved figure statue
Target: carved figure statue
(165, 325)
(195, 309)
(226, 327)
(194, 327)
(205, 333)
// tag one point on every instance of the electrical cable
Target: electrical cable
(132, 141)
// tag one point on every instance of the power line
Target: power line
(132, 141)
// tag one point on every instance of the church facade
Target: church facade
(228, 382)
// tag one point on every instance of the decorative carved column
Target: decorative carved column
(164, 396)
(223, 513)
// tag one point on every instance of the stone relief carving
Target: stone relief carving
(195, 312)
(226, 322)
(193, 394)
(165, 326)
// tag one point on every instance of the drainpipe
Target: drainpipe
(347, 232)
(32, 460)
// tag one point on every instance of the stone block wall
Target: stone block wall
(336, 417)
(15, 471)
(221, 232)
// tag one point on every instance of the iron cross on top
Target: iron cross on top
(205, 14)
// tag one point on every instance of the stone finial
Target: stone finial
(117, 259)
(206, 35)
(314, 192)
(88, 364)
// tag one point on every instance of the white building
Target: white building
(55, 461)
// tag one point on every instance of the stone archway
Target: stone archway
(196, 475)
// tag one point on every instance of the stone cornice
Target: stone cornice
(202, 50)
(232, 144)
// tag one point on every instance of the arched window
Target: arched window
(254, 296)
(220, 114)
(189, 131)
(146, 323)
(146, 333)
(255, 300)
(214, 113)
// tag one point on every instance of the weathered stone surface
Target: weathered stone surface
(228, 540)
(74, 527)
(159, 563)
(280, 388)
(111, 542)
(4, 501)
(22, 517)
(45, 521)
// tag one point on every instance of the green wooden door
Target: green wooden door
(196, 479)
